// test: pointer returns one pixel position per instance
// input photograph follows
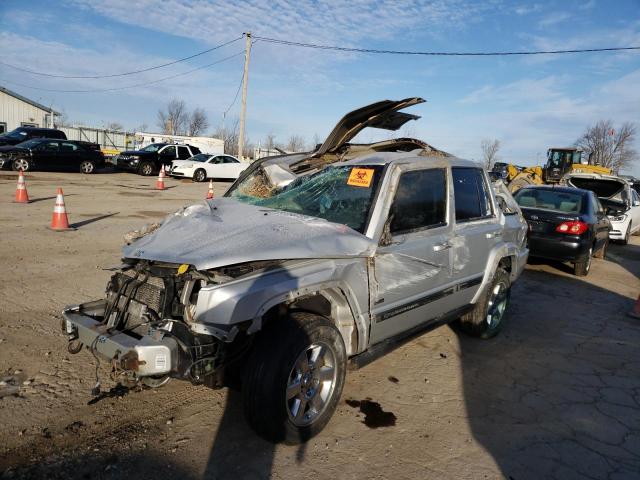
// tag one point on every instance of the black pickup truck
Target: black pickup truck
(148, 160)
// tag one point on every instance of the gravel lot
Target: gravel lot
(556, 395)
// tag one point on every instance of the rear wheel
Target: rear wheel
(293, 378)
(87, 167)
(146, 169)
(21, 164)
(487, 318)
(199, 175)
(583, 265)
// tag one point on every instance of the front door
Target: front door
(47, 154)
(411, 269)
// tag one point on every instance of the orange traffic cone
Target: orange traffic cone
(635, 313)
(21, 190)
(210, 192)
(59, 220)
(160, 181)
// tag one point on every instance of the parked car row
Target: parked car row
(576, 221)
(30, 148)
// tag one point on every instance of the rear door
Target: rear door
(476, 230)
(412, 269)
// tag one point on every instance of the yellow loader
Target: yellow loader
(560, 161)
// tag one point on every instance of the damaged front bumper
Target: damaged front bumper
(146, 356)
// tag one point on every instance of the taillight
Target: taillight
(572, 228)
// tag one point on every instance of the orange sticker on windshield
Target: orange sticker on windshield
(360, 177)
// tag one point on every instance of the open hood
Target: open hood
(224, 232)
(604, 187)
(384, 114)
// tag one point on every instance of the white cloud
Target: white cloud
(528, 8)
(554, 19)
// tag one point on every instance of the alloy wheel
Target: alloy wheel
(21, 164)
(311, 384)
(497, 304)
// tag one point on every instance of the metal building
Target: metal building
(18, 111)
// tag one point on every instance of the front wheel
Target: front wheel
(627, 234)
(487, 318)
(146, 169)
(87, 167)
(293, 378)
(21, 164)
(199, 175)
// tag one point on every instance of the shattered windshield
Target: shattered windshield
(337, 194)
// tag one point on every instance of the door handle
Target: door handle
(439, 247)
(494, 234)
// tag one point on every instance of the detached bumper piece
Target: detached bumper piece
(144, 356)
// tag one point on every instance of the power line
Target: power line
(442, 54)
(236, 95)
(98, 90)
(133, 72)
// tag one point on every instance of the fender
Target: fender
(221, 308)
(518, 257)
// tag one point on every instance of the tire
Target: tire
(602, 252)
(155, 381)
(488, 316)
(21, 164)
(625, 240)
(200, 175)
(278, 363)
(146, 169)
(87, 167)
(583, 265)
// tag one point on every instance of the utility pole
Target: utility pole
(245, 80)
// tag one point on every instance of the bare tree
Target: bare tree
(295, 143)
(61, 120)
(117, 126)
(174, 119)
(143, 127)
(198, 122)
(489, 152)
(230, 137)
(609, 147)
(270, 141)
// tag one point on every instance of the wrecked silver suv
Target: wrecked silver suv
(311, 263)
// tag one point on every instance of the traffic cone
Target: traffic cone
(21, 190)
(635, 313)
(160, 181)
(210, 192)
(59, 220)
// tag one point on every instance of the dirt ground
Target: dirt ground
(556, 395)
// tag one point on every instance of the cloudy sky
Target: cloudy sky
(528, 103)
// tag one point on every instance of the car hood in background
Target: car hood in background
(382, 114)
(225, 231)
(603, 186)
(12, 148)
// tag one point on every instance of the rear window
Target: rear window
(549, 200)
